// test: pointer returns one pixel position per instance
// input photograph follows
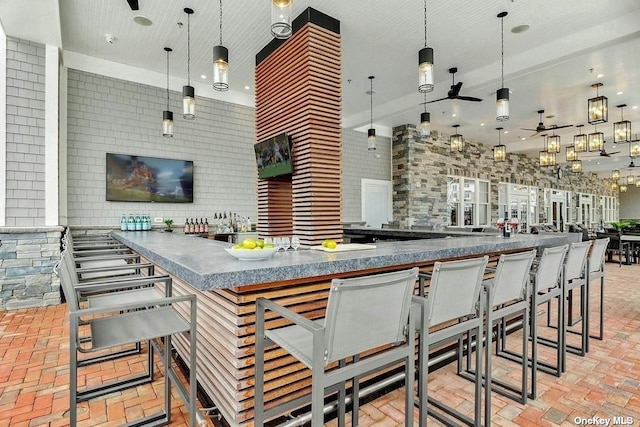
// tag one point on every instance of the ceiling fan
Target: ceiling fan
(454, 92)
(133, 4)
(542, 128)
(604, 153)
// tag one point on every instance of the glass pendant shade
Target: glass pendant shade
(623, 188)
(220, 68)
(634, 149)
(622, 131)
(614, 186)
(571, 154)
(596, 141)
(637, 183)
(456, 142)
(425, 124)
(188, 103)
(547, 159)
(552, 144)
(281, 19)
(597, 107)
(576, 166)
(499, 153)
(502, 104)
(167, 124)
(371, 139)
(631, 180)
(425, 70)
(580, 143)
(615, 174)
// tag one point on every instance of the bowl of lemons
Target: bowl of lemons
(251, 249)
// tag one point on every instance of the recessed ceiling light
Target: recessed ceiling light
(613, 146)
(635, 107)
(619, 93)
(247, 87)
(203, 76)
(520, 29)
(454, 115)
(599, 76)
(523, 138)
(481, 124)
(142, 20)
(506, 131)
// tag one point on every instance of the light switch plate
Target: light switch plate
(157, 220)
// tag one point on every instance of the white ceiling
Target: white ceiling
(551, 66)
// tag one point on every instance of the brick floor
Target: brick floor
(34, 375)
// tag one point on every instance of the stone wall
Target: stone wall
(27, 258)
(420, 169)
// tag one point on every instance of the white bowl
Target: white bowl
(251, 254)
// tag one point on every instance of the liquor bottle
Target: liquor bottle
(249, 224)
(192, 227)
(206, 225)
(186, 226)
(225, 224)
(131, 223)
(243, 224)
(201, 227)
(123, 223)
(506, 230)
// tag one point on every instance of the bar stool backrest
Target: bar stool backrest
(67, 280)
(549, 268)
(576, 259)
(511, 277)
(598, 251)
(367, 312)
(454, 290)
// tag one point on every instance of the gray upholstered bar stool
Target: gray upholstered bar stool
(363, 313)
(546, 286)
(506, 297)
(595, 271)
(452, 304)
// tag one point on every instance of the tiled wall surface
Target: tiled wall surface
(25, 132)
(420, 170)
(27, 260)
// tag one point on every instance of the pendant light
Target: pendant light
(637, 184)
(622, 129)
(371, 133)
(425, 121)
(188, 92)
(631, 180)
(167, 116)
(281, 19)
(614, 185)
(576, 166)
(220, 63)
(580, 141)
(500, 150)
(502, 95)
(552, 143)
(634, 148)
(597, 108)
(595, 140)
(615, 174)
(547, 159)
(456, 141)
(623, 188)
(425, 62)
(571, 153)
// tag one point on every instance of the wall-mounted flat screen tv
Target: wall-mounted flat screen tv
(273, 156)
(148, 179)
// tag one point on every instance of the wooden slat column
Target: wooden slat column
(298, 91)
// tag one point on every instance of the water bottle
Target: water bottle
(138, 223)
(147, 222)
(131, 223)
(123, 223)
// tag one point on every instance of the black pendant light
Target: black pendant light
(425, 121)
(623, 188)
(598, 107)
(220, 63)
(167, 116)
(502, 95)
(500, 150)
(425, 61)
(631, 179)
(188, 92)
(547, 159)
(595, 140)
(580, 141)
(634, 148)
(622, 129)
(281, 19)
(571, 153)
(552, 143)
(371, 133)
(576, 166)
(456, 142)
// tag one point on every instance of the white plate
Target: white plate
(251, 254)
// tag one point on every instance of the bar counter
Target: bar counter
(227, 289)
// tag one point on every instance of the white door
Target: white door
(377, 202)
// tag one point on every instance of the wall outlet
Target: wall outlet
(158, 220)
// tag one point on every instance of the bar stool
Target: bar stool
(595, 270)
(453, 305)
(547, 286)
(506, 296)
(363, 313)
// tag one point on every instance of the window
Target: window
(518, 201)
(468, 201)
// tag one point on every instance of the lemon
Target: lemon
(260, 243)
(331, 244)
(325, 243)
(268, 246)
(249, 243)
(237, 247)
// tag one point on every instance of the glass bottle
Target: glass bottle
(201, 226)
(186, 226)
(206, 225)
(123, 223)
(506, 230)
(192, 227)
(131, 223)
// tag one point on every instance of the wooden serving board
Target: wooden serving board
(342, 247)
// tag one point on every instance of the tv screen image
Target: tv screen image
(148, 179)
(273, 157)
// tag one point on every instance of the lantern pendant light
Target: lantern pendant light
(281, 19)
(580, 141)
(631, 180)
(622, 129)
(615, 174)
(425, 121)
(188, 92)
(425, 62)
(571, 153)
(637, 184)
(547, 159)
(500, 150)
(502, 95)
(634, 148)
(553, 143)
(167, 116)
(596, 140)
(220, 63)
(576, 166)
(623, 188)
(456, 141)
(614, 185)
(371, 133)
(597, 108)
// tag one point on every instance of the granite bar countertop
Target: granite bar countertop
(205, 264)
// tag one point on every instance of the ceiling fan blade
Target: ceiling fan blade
(532, 130)
(558, 127)
(455, 90)
(133, 4)
(438, 100)
(469, 98)
(614, 152)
